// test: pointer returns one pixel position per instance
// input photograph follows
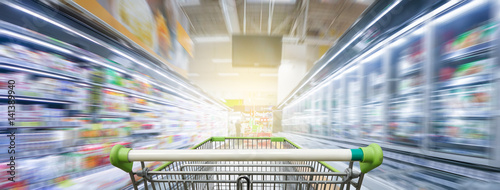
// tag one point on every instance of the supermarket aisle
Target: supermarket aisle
(69, 94)
(393, 174)
(423, 83)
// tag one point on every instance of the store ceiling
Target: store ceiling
(325, 20)
(216, 20)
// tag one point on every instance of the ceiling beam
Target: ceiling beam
(301, 10)
(304, 25)
(270, 20)
(244, 16)
(230, 15)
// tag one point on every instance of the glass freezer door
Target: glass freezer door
(406, 121)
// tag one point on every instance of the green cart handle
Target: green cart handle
(370, 157)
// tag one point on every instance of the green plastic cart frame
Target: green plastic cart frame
(251, 162)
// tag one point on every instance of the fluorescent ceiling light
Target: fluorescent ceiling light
(373, 56)
(399, 42)
(43, 100)
(269, 74)
(222, 60)
(228, 74)
(193, 74)
(211, 39)
(460, 11)
(42, 43)
(54, 22)
(36, 72)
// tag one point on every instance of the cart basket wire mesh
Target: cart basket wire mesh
(246, 163)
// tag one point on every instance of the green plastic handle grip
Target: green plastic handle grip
(119, 158)
(372, 157)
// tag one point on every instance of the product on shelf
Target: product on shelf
(38, 115)
(478, 35)
(411, 55)
(114, 78)
(410, 82)
(40, 60)
(114, 103)
(462, 131)
(468, 69)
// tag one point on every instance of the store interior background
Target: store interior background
(148, 100)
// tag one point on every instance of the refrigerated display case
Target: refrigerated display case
(442, 80)
(336, 104)
(374, 86)
(464, 79)
(406, 111)
(352, 103)
(319, 114)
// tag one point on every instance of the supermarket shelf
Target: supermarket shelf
(41, 127)
(91, 171)
(464, 145)
(141, 108)
(468, 114)
(40, 153)
(146, 131)
(100, 115)
(467, 51)
(139, 94)
(37, 99)
(466, 81)
(373, 102)
(144, 119)
(411, 70)
(414, 90)
(469, 152)
(18, 65)
(49, 185)
(407, 118)
(114, 115)
(378, 84)
(415, 119)
(402, 98)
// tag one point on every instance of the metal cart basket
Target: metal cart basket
(247, 163)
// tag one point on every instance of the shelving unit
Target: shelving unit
(441, 100)
(130, 107)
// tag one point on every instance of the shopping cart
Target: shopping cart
(247, 163)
